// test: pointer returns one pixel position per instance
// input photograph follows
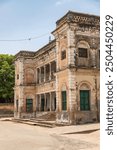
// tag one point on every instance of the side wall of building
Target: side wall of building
(80, 41)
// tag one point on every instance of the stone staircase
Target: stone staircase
(49, 116)
(44, 120)
(35, 122)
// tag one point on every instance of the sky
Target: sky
(27, 24)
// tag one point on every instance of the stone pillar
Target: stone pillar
(21, 71)
(50, 76)
(40, 75)
(44, 73)
(71, 76)
(71, 61)
(19, 88)
(21, 101)
(57, 94)
(15, 104)
(93, 57)
(71, 47)
(57, 52)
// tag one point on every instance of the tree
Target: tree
(7, 78)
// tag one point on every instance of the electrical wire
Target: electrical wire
(27, 39)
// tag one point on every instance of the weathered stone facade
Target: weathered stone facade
(64, 75)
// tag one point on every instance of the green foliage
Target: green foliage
(7, 77)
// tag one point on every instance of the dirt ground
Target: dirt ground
(16, 136)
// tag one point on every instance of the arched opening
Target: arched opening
(29, 76)
(82, 52)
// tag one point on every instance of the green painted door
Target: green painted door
(84, 100)
(64, 100)
(29, 105)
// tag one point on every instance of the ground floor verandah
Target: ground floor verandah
(43, 102)
(46, 102)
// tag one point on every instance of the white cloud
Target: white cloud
(61, 2)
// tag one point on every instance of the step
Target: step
(42, 124)
(42, 121)
(48, 116)
(36, 121)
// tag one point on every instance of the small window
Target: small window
(64, 100)
(84, 100)
(29, 105)
(17, 76)
(83, 52)
(63, 54)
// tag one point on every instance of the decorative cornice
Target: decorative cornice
(25, 54)
(80, 18)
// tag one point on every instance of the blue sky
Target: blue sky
(36, 19)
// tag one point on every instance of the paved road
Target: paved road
(15, 136)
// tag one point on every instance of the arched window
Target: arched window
(84, 97)
(83, 54)
(83, 47)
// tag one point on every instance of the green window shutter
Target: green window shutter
(64, 100)
(84, 100)
(29, 105)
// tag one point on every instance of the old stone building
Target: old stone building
(63, 77)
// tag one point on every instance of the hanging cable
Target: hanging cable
(27, 39)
